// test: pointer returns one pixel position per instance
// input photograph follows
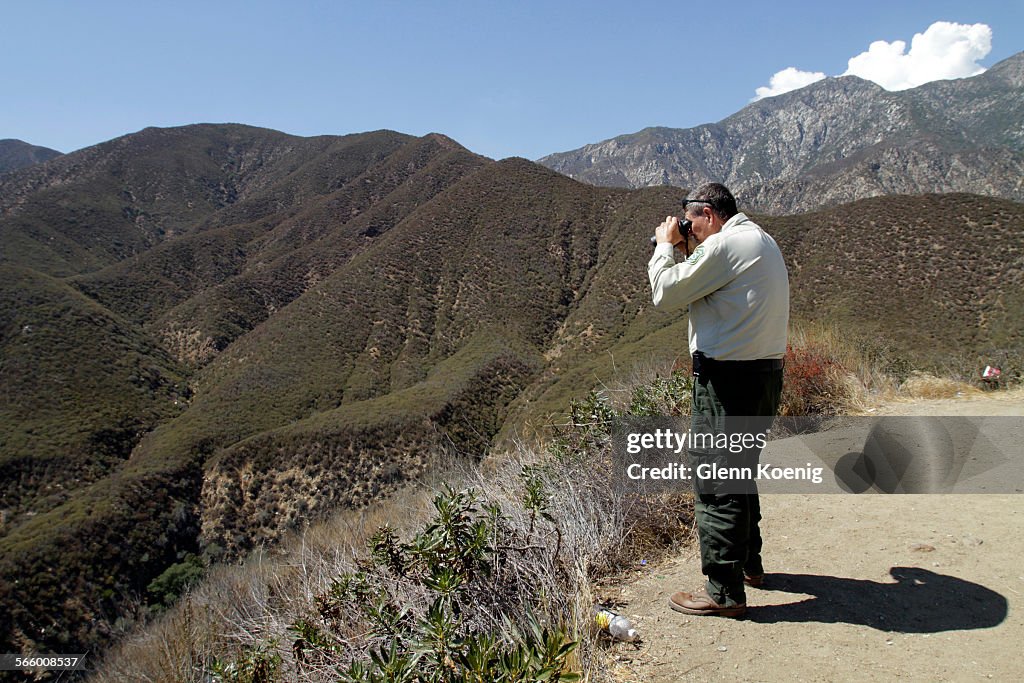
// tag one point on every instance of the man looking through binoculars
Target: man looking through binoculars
(736, 286)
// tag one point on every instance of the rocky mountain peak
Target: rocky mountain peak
(836, 140)
(1010, 70)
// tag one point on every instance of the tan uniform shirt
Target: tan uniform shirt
(737, 287)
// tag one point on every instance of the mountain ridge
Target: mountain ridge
(833, 141)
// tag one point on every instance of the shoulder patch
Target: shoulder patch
(696, 255)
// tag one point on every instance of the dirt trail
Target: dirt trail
(916, 587)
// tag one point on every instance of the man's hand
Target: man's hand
(669, 231)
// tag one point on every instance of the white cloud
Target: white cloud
(786, 80)
(945, 50)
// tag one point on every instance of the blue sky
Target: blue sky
(502, 78)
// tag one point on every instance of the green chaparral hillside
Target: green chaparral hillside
(941, 275)
(214, 334)
(81, 386)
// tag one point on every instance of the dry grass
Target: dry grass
(247, 606)
(861, 376)
(926, 386)
(239, 609)
(854, 377)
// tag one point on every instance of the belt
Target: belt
(706, 364)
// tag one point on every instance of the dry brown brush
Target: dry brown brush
(483, 572)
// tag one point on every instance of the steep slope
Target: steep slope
(410, 333)
(834, 141)
(201, 291)
(80, 387)
(941, 275)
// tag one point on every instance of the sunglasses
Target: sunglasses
(699, 201)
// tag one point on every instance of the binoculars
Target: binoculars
(684, 229)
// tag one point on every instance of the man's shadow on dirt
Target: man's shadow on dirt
(919, 602)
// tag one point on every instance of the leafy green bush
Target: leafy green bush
(167, 587)
(587, 429)
(663, 396)
(256, 665)
(465, 627)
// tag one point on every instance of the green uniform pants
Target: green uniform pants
(731, 402)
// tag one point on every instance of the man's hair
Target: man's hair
(721, 200)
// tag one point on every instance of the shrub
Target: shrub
(165, 589)
(663, 396)
(256, 665)
(437, 608)
(813, 381)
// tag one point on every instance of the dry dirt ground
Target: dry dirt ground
(858, 587)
